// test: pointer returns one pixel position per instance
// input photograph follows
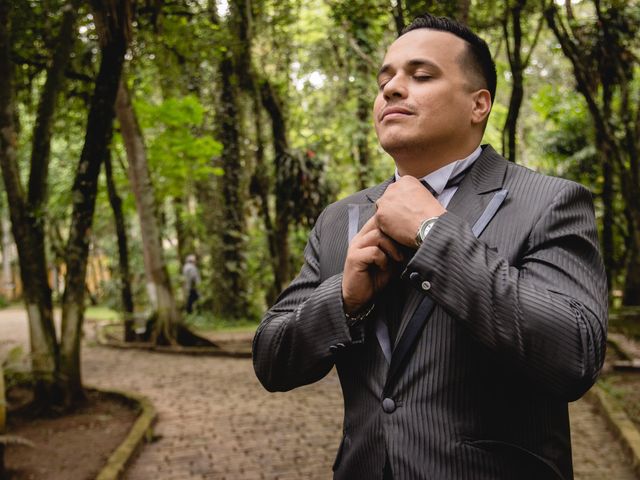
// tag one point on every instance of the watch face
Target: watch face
(424, 229)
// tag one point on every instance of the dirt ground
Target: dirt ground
(74, 446)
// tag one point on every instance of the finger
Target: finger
(378, 238)
(367, 227)
(368, 256)
(380, 259)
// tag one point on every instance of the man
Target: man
(461, 317)
(191, 277)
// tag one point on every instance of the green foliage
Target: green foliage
(566, 138)
(178, 152)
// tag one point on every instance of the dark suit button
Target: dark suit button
(340, 345)
(388, 405)
(415, 277)
(333, 349)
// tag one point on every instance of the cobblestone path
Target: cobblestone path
(216, 422)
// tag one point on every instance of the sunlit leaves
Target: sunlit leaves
(178, 151)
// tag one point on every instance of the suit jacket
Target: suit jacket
(505, 316)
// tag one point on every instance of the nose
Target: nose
(395, 87)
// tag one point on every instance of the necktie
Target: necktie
(397, 289)
(452, 182)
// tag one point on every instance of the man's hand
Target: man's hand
(370, 263)
(403, 207)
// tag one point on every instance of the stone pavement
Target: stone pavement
(216, 422)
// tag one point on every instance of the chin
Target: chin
(396, 145)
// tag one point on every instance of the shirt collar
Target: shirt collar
(438, 179)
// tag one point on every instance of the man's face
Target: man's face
(424, 100)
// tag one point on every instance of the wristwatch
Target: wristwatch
(425, 227)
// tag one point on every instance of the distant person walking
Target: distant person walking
(191, 280)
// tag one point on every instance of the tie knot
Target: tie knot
(429, 187)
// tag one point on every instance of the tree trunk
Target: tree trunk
(398, 16)
(463, 11)
(8, 286)
(513, 41)
(261, 187)
(167, 317)
(281, 150)
(41, 146)
(608, 246)
(184, 234)
(28, 234)
(115, 19)
(234, 303)
(260, 184)
(362, 145)
(123, 251)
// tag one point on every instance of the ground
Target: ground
(216, 421)
(69, 447)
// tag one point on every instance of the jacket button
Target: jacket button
(333, 349)
(388, 405)
(426, 285)
(414, 277)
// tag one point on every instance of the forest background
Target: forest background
(136, 133)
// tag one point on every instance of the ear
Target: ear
(481, 106)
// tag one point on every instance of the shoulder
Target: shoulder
(522, 181)
(339, 210)
(541, 188)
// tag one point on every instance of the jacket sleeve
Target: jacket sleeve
(547, 313)
(298, 337)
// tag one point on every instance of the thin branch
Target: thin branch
(361, 53)
(533, 44)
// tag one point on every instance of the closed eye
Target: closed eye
(382, 84)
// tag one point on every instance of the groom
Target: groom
(463, 301)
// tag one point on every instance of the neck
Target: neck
(425, 161)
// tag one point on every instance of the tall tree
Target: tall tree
(604, 65)
(27, 208)
(230, 256)
(167, 316)
(113, 20)
(514, 18)
(126, 295)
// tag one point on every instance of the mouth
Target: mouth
(391, 113)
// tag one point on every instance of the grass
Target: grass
(625, 389)
(203, 321)
(624, 386)
(208, 322)
(102, 313)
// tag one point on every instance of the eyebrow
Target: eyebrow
(416, 62)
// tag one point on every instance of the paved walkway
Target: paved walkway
(216, 422)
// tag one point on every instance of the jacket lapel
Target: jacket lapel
(470, 201)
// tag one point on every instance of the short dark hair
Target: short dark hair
(478, 57)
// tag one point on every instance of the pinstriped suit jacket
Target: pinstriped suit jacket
(518, 330)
